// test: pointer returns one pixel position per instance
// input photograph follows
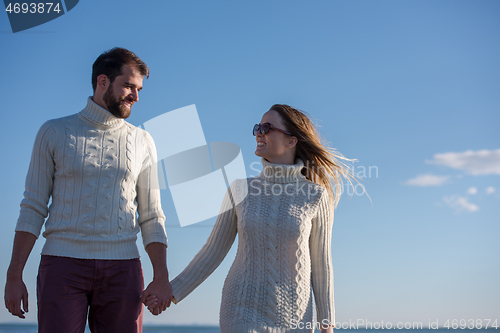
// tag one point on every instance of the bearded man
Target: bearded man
(101, 174)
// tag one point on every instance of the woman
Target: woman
(284, 224)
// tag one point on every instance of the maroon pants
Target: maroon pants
(107, 290)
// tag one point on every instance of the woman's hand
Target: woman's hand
(151, 302)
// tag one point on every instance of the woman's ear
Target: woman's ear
(292, 142)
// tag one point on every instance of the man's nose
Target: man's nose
(135, 95)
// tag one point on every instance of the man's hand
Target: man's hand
(15, 292)
(15, 289)
(161, 290)
(160, 286)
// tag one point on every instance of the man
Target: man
(100, 172)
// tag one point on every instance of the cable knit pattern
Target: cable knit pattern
(101, 173)
(284, 228)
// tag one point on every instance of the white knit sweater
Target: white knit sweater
(284, 227)
(100, 172)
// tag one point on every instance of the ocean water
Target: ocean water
(11, 328)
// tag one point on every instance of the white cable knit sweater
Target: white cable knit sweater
(284, 228)
(100, 171)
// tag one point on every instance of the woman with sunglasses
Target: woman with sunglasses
(284, 226)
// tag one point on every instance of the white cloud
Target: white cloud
(427, 180)
(460, 204)
(472, 190)
(490, 190)
(480, 162)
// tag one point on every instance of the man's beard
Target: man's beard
(113, 104)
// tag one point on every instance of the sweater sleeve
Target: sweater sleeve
(211, 254)
(321, 261)
(151, 217)
(39, 182)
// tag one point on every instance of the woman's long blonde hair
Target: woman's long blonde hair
(323, 164)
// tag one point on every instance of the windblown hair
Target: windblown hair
(111, 62)
(323, 165)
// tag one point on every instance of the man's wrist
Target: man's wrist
(14, 273)
(158, 255)
(160, 274)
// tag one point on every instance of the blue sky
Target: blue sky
(409, 88)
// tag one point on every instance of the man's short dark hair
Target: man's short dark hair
(111, 63)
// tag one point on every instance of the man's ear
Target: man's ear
(292, 142)
(103, 82)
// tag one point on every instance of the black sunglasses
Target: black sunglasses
(266, 127)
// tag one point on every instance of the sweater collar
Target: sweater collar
(100, 116)
(282, 173)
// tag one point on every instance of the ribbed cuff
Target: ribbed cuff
(24, 224)
(177, 293)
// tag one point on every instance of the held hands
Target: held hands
(157, 296)
(151, 302)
